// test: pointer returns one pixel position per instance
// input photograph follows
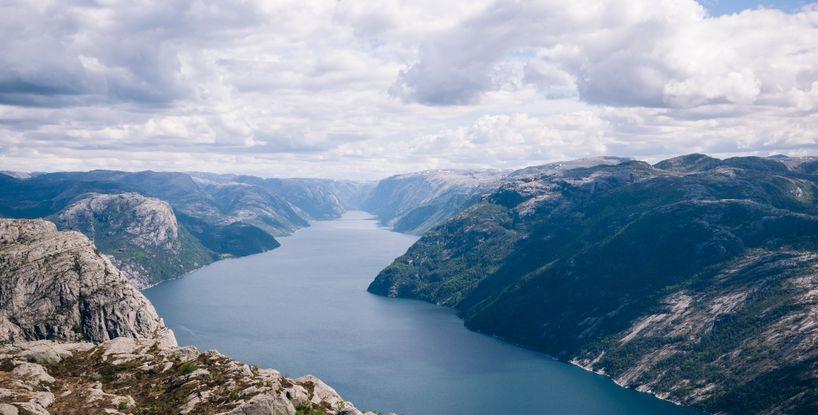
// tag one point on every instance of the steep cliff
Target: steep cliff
(56, 285)
(141, 234)
(694, 279)
(107, 351)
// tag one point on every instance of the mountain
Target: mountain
(17, 174)
(140, 234)
(317, 198)
(693, 279)
(218, 204)
(208, 216)
(56, 285)
(239, 202)
(216, 215)
(415, 202)
(107, 350)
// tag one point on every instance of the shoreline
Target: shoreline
(544, 355)
(537, 358)
(572, 362)
(278, 238)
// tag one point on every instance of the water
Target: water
(304, 309)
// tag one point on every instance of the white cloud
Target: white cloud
(349, 89)
(622, 52)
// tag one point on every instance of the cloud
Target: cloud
(622, 53)
(71, 53)
(347, 89)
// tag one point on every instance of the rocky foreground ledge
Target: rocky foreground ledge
(146, 376)
(77, 338)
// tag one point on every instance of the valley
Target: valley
(304, 309)
(691, 279)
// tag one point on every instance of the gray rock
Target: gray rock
(241, 390)
(7, 409)
(140, 234)
(151, 223)
(56, 285)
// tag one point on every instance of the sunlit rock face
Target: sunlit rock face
(57, 285)
(76, 337)
(140, 234)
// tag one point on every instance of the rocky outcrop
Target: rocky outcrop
(229, 220)
(56, 285)
(693, 279)
(147, 376)
(147, 221)
(140, 234)
(113, 354)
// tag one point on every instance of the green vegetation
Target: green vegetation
(154, 390)
(234, 239)
(568, 261)
(309, 409)
(207, 213)
(187, 368)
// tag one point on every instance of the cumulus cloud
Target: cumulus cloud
(347, 89)
(668, 53)
(79, 53)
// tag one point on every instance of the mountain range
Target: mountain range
(415, 202)
(693, 279)
(77, 338)
(160, 225)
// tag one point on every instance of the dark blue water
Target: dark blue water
(304, 309)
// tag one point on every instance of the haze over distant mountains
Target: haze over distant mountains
(160, 225)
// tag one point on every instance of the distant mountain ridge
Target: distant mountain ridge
(221, 215)
(212, 216)
(415, 202)
(317, 198)
(693, 279)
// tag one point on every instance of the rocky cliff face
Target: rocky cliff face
(56, 285)
(694, 279)
(149, 222)
(141, 234)
(415, 202)
(745, 343)
(112, 353)
(218, 216)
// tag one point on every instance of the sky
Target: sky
(346, 89)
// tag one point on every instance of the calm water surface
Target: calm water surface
(304, 309)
